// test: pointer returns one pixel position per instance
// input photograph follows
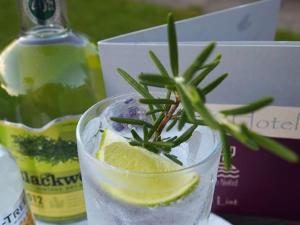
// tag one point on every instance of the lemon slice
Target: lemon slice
(143, 179)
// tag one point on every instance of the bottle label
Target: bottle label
(40, 10)
(49, 166)
(19, 214)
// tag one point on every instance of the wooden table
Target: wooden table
(249, 220)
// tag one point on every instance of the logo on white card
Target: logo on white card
(234, 173)
(245, 23)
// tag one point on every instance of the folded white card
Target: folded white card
(252, 22)
(258, 67)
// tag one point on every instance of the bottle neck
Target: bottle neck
(43, 18)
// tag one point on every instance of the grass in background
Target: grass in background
(101, 19)
(285, 35)
(98, 19)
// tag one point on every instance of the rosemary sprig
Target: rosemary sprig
(185, 104)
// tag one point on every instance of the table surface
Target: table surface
(250, 220)
(236, 220)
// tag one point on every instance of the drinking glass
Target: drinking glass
(116, 196)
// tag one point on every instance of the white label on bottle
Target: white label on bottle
(19, 214)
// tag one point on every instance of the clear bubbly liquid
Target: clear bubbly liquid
(104, 209)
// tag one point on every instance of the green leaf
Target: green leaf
(226, 150)
(197, 122)
(248, 140)
(136, 136)
(173, 48)
(185, 101)
(199, 107)
(185, 136)
(212, 63)
(146, 133)
(171, 125)
(133, 83)
(199, 61)
(157, 101)
(211, 86)
(151, 107)
(199, 78)
(163, 144)
(131, 121)
(158, 64)
(254, 106)
(173, 158)
(156, 80)
(156, 124)
(151, 148)
(201, 95)
(182, 121)
(236, 131)
(172, 138)
(275, 147)
(135, 143)
(154, 111)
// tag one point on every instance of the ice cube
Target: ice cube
(128, 108)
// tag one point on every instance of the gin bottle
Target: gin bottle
(48, 77)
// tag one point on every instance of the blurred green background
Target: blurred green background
(106, 18)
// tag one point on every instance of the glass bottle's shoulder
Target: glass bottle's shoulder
(45, 77)
(64, 59)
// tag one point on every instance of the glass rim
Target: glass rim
(80, 127)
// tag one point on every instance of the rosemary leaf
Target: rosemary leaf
(173, 48)
(173, 158)
(151, 107)
(201, 95)
(158, 64)
(185, 136)
(156, 80)
(146, 134)
(182, 121)
(186, 103)
(252, 144)
(211, 86)
(156, 124)
(199, 107)
(154, 111)
(136, 136)
(152, 84)
(171, 125)
(172, 138)
(157, 101)
(199, 78)
(275, 147)
(237, 131)
(254, 106)
(163, 144)
(213, 63)
(131, 121)
(151, 148)
(133, 83)
(197, 122)
(135, 143)
(199, 61)
(226, 150)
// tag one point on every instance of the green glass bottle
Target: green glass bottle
(48, 77)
